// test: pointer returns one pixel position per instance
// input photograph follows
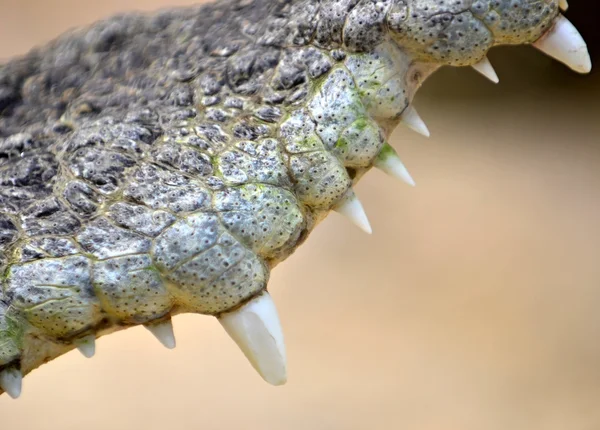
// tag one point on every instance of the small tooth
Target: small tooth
(411, 118)
(164, 333)
(256, 329)
(486, 69)
(351, 208)
(563, 4)
(564, 43)
(87, 346)
(11, 381)
(389, 162)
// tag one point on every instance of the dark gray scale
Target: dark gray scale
(103, 239)
(47, 247)
(27, 172)
(82, 199)
(160, 188)
(183, 159)
(140, 219)
(49, 217)
(331, 19)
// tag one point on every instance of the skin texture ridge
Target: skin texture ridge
(157, 164)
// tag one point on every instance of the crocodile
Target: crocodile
(164, 163)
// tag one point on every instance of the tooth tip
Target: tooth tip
(423, 129)
(277, 382)
(586, 65)
(256, 329)
(390, 163)
(563, 4)
(486, 69)
(352, 209)
(87, 346)
(411, 118)
(564, 43)
(86, 351)
(164, 333)
(11, 381)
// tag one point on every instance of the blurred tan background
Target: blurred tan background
(474, 306)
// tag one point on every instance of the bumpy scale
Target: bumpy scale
(153, 165)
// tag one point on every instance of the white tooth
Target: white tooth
(11, 381)
(564, 43)
(389, 162)
(411, 118)
(563, 4)
(486, 69)
(351, 208)
(256, 329)
(164, 333)
(87, 346)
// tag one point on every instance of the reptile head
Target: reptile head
(151, 166)
(459, 33)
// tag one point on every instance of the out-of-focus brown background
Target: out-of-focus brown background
(474, 306)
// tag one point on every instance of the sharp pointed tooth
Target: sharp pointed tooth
(411, 118)
(351, 208)
(564, 43)
(11, 381)
(256, 329)
(486, 69)
(164, 333)
(87, 346)
(563, 4)
(389, 162)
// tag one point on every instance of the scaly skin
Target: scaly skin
(153, 165)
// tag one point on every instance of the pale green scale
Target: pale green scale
(130, 289)
(265, 224)
(56, 295)
(359, 143)
(11, 333)
(299, 135)
(207, 269)
(381, 79)
(335, 106)
(321, 180)
(319, 177)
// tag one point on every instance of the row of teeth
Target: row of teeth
(563, 43)
(255, 326)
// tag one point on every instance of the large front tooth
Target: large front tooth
(564, 43)
(351, 208)
(163, 331)
(389, 162)
(256, 329)
(87, 346)
(563, 5)
(11, 381)
(486, 69)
